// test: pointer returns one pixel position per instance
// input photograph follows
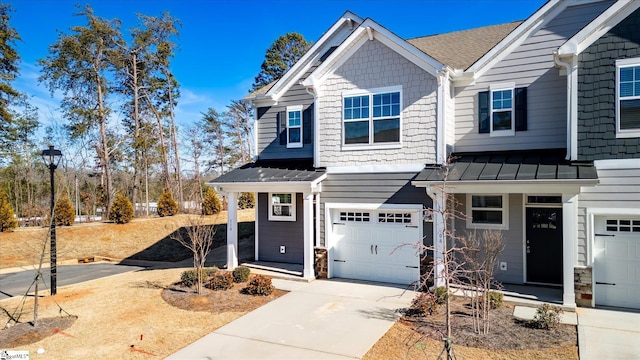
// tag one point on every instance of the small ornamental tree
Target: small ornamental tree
(7, 217)
(121, 209)
(211, 203)
(64, 214)
(246, 200)
(167, 206)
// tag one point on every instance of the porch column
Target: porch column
(569, 247)
(255, 229)
(308, 271)
(439, 202)
(232, 231)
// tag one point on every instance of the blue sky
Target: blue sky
(223, 42)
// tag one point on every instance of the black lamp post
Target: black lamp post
(52, 156)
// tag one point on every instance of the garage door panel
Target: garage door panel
(617, 262)
(373, 250)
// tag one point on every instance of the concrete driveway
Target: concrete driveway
(608, 334)
(323, 319)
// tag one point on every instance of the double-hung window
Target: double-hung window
(294, 126)
(628, 98)
(502, 114)
(372, 118)
(282, 206)
(487, 212)
(502, 110)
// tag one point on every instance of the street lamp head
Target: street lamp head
(51, 156)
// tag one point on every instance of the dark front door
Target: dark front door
(544, 245)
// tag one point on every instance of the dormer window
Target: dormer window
(372, 118)
(628, 98)
(294, 126)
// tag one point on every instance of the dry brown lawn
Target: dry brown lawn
(126, 317)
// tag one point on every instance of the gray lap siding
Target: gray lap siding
(372, 188)
(273, 234)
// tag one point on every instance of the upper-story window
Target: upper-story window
(294, 126)
(628, 98)
(372, 118)
(502, 110)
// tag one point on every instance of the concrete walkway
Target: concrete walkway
(323, 319)
(608, 334)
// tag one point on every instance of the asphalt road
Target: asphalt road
(17, 283)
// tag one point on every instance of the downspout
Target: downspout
(441, 149)
(572, 104)
(255, 131)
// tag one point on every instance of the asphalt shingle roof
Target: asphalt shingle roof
(461, 49)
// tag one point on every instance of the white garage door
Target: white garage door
(375, 245)
(617, 261)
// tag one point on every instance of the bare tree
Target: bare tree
(197, 237)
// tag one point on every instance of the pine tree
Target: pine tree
(167, 206)
(122, 209)
(64, 212)
(211, 204)
(7, 217)
(281, 55)
(246, 200)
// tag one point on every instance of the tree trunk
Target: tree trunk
(136, 134)
(174, 141)
(163, 146)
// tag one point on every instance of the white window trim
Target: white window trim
(283, 218)
(370, 92)
(504, 209)
(621, 63)
(296, 144)
(501, 87)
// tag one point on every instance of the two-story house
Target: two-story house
(529, 128)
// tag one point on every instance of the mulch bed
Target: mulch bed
(25, 333)
(232, 300)
(506, 332)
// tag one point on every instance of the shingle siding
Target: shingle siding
(597, 93)
(374, 65)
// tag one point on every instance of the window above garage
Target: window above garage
(628, 98)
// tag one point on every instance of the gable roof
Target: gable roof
(461, 49)
(598, 27)
(369, 30)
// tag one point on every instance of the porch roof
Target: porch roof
(510, 166)
(273, 171)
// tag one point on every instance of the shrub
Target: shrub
(167, 206)
(547, 317)
(8, 219)
(222, 280)
(246, 200)
(496, 299)
(259, 285)
(241, 274)
(211, 204)
(63, 213)
(188, 278)
(121, 210)
(441, 294)
(424, 304)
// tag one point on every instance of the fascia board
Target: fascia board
(303, 65)
(598, 27)
(358, 38)
(289, 186)
(541, 17)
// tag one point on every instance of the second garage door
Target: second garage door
(616, 269)
(375, 245)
